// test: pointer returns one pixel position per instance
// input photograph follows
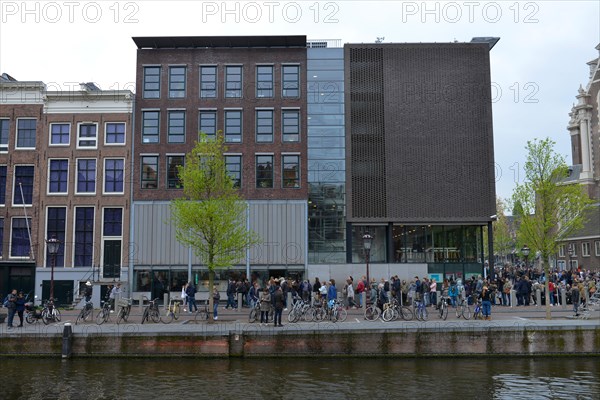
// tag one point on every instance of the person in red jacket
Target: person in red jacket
(360, 289)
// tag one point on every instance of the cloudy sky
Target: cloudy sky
(537, 66)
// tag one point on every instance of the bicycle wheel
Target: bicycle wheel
(252, 318)
(127, 312)
(46, 317)
(372, 313)
(100, 318)
(29, 317)
(388, 314)
(334, 315)
(154, 315)
(176, 311)
(80, 317)
(292, 316)
(443, 312)
(309, 314)
(466, 312)
(56, 314)
(201, 315)
(406, 313)
(342, 314)
(319, 314)
(145, 315)
(167, 319)
(459, 310)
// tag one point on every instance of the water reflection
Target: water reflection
(299, 378)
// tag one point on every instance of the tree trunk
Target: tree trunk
(211, 280)
(547, 286)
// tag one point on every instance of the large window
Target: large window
(113, 222)
(23, 188)
(114, 171)
(291, 171)
(84, 237)
(585, 249)
(233, 81)
(176, 129)
(264, 125)
(177, 82)
(264, 171)
(233, 126)
(60, 134)
(233, 164)
(264, 81)
(58, 178)
(208, 82)
(290, 121)
(55, 226)
(596, 247)
(4, 132)
(86, 176)
(290, 81)
(115, 133)
(150, 126)
(151, 82)
(20, 243)
(87, 137)
(3, 170)
(149, 172)
(173, 162)
(207, 123)
(26, 133)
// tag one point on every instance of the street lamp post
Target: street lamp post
(570, 251)
(53, 244)
(367, 240)
(525, 251)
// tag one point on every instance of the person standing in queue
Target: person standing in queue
(216, 297)
(279, 305)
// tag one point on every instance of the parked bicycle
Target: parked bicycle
(104, 314)
(301, 310)
(463, 309)
(334, 311)
(442, 308)
(477, 312)
(393, 310)
(202, 313)
(32, 313)
(172, 312)
(372, 312)
(151, 312)
(124, 310)
(254, 315)
(50, 313)
(420, 310)
(86, 313)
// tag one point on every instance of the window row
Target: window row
(232, 125)
(58, 179)
(232, 85)
(570, 250)
(60, 134)
(19, 243)
(264, 177)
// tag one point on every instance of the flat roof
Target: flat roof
(170, 42)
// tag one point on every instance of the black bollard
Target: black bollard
(67, 341)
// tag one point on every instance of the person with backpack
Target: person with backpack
(190, 295)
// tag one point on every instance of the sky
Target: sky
(536, 67)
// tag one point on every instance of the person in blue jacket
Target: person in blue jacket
(331, 293)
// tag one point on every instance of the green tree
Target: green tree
(211, 215)
(550, 208)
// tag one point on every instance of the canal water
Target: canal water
(289, 378)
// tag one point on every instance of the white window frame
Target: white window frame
(585, 249)
(124, 134)
(17, 134)
(48, 192)
(77, 192)
(561, 250)
(4, 148)
(79, 125)
(104, 192)
(50, 135)
(11, 235)
(597, 248)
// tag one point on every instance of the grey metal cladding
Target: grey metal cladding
(429, 135)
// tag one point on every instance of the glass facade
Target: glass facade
(326, 156)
